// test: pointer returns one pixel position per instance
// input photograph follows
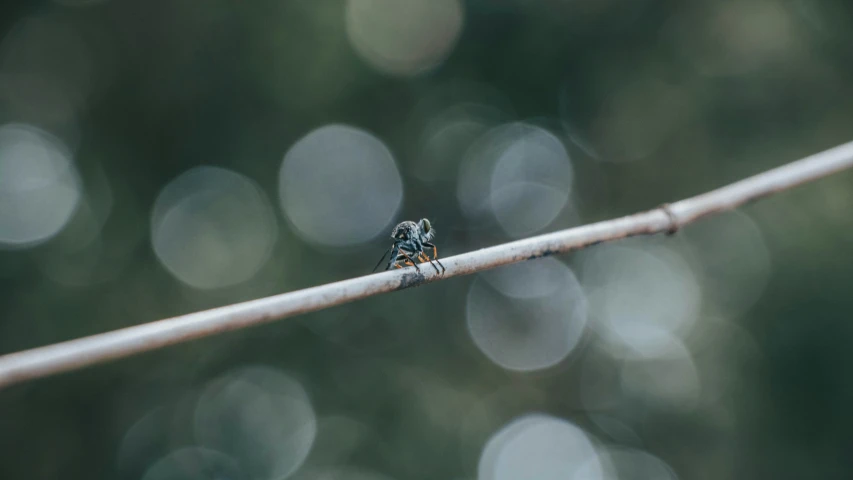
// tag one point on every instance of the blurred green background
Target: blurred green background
(163, 157)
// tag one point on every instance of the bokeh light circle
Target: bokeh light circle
(520, 173)
(338, 473)
(632, 464)
(404, 37)
(720, 347)
(541, 447)
(640, 298)
(143, 441)
(621, 131)
(212, 227)
(196, 463)
(531, 182)
(735, 38)
(338, 439)
(527, 316)
(48, 71)
(734, 261)
(89, 251)
(446, 136)
(39, 186)
(615, 429)
(340, 186)
(261, 417)
(670, 380)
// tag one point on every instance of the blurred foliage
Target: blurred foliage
(650, 101)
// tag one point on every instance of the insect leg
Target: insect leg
(405, 248)
(434, 249)
(434, 253)
(410, 259)
(425, 258)
(392, 260)
(383, 258)
(401, 261)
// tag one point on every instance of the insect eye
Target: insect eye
(426, 225)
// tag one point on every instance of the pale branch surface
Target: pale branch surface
(82, 352)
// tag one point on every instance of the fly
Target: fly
(410, 239)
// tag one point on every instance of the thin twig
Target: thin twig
(75, 354)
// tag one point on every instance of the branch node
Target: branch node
(673, 221)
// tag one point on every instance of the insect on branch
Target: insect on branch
(95, 349)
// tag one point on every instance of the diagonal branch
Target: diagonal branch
(83, 352)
